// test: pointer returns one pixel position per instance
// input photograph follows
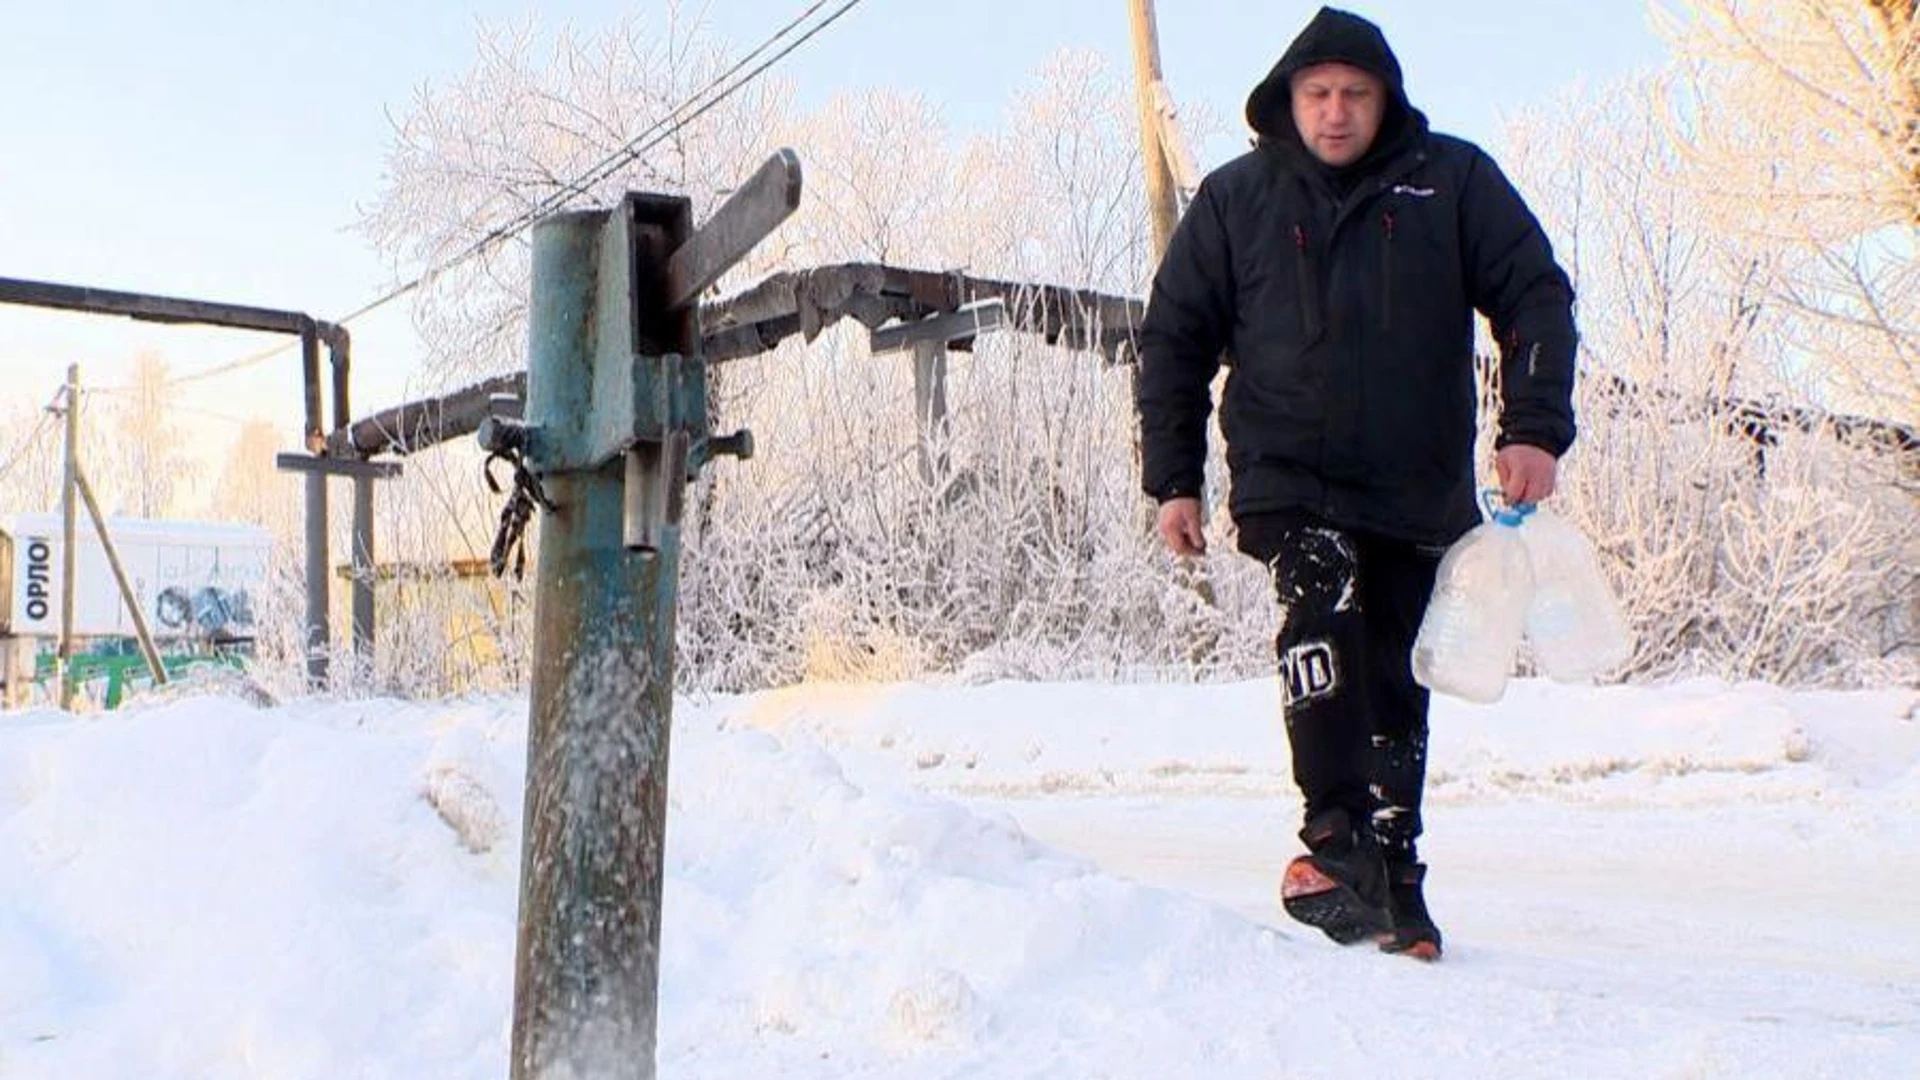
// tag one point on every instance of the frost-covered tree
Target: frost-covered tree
(476, 161)
(134, 442)
(30, 470)
(831, 553)
(1800, 122)
(1748, 543)
(1749, 532)
(1021, 554)
(251, 489)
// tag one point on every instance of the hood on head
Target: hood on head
(1333, 35)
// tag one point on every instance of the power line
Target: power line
(20, 452)
(246, 361)
(634, 147)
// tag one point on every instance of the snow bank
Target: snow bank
(203, 889)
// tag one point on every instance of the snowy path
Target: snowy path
(1764, 917)
(1724, 872)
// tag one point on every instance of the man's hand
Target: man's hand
(1526, 474)
(1180, 526)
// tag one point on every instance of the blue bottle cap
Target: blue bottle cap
(1509, 514)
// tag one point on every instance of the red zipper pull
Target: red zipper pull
(1386, 219)
(1300, 236)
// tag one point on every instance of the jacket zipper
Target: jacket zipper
(1309, 322)
(1386, 272)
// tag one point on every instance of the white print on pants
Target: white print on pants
(1307, 671)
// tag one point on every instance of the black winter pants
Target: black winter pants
(1350, 605)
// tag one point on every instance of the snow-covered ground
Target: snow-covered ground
(984, 881)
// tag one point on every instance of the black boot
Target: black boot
(1340, 886)
(1413, 931)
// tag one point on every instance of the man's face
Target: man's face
(1337, 108)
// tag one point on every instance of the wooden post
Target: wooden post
(319, 603)
(363, 574)
(147, 649)
(1162, 203)
(319, 637)
(928, 340)
(1181, 163)
(16, 667)
(317, 471)
(930, 407)
(63, 661)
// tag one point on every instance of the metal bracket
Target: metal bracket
(745, 219)
(351, 468)
(655, 491)
(504, 431)
(635, 392)
(950, 328)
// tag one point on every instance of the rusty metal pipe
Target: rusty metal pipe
(315, 435)
(340, 355)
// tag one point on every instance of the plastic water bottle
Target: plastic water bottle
(1473, 625)
(1574, 624)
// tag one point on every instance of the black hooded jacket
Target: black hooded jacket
(1342, 301)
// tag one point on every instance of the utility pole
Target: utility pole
(69, 539)
(1157, 136)
(73, 489)
(614, 426)
(1162, 203)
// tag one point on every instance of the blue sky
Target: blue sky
(219, 149)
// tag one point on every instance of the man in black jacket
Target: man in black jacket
(1336, 270)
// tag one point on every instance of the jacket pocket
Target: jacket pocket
(1309, 295)
(1386, 270)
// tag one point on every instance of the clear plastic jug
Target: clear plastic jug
(1478, 612)
(1574, 623)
